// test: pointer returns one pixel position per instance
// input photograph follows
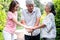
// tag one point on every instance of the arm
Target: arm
(38, 17)
(18, 23)
(46, 23)
(12, 17)
(23, 22)
(40, 26)
(26, 27)
(37, 21)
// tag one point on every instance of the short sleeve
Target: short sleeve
(48, 23)
(38, 13)
(10, 15)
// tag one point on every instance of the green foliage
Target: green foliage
(1, 36)
(39, 5)
(42, 17)
(2, 17)
(58, 34)
(57, 7)
(4, 5)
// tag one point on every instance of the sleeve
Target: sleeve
(10, 15)
(48, 23)
(38, 13)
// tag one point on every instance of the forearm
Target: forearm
(40, 26)
(18, 23)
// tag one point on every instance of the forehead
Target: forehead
(30, 4)
(17, 5)
(47, 6)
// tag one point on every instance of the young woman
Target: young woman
(48, 28)
(10, 26)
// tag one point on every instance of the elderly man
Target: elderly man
(30, 17)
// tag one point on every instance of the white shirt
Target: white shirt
(30, 19)
(50, 30)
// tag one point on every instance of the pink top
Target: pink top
(10, 25)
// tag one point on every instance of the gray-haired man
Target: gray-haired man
(30, 17)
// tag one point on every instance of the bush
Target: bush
(58, 34)
(57, 7)
(2, 18)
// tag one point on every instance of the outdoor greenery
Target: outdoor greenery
(39, 5)
(4, 5)
(57, 7)
(2, 17)
(57, 17)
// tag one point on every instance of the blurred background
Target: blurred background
(4, 5)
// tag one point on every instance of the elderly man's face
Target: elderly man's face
(30, 7)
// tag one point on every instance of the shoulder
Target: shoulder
(23, 11)
(51, 16)
(10, 13)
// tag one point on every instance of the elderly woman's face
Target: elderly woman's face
(47, 8)
(30, 7)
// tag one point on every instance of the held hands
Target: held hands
(29, 29)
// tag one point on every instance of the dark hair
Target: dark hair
(12, 5)
(52, 8)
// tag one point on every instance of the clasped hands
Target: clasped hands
(29, 29)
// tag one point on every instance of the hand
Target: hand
(32, 28)
(29, 30)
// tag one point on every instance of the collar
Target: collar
(32, 11)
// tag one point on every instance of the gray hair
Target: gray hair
(51, 5)
(29, 2)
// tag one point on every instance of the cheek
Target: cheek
(16, 9)
(31, 9)
(46, 9)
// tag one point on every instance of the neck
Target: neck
(13, 11)
(47, 13)
(29, 11)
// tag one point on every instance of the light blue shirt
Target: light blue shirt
(30, 19)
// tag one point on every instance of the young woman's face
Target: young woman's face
(16, 7)
(30, 7)
(47, 8)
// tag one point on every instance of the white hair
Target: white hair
(29, 2)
